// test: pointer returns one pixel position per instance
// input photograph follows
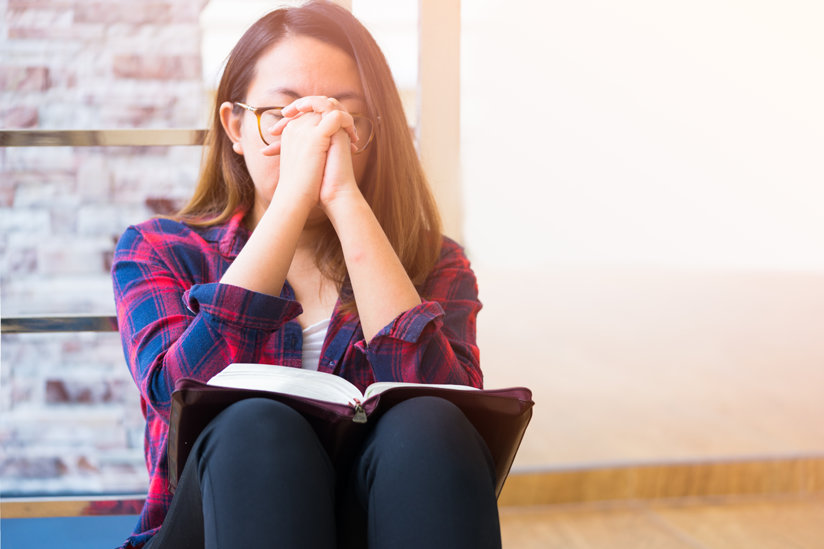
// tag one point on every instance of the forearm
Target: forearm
(424, 345)
(166, 340)
(434, 342)
(263, 263)
(380, 283)
(175, 319)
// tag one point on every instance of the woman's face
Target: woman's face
(297, 66)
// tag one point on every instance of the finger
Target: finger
(334, 120)
(271, 150)
(312, 103)
(329, 121)
(280, 126)
(277, 129)
(341, 139)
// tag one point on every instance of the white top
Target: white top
(313, 337)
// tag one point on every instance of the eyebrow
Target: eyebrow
(292, 93)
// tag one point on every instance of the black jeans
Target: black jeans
(258, 477)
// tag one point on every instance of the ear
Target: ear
(231, 123)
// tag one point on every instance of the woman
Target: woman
(311, 241)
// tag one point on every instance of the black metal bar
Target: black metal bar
(51, 324)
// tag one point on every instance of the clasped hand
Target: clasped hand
(315, 140)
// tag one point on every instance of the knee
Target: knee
(258, 424)
(424, 419)
(431, 430)
(258, 414)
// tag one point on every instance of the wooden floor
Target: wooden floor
(775, 523)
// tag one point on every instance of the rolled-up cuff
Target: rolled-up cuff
(406, 327)
(227, 304)
(409, 325)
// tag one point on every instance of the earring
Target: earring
(237, 147)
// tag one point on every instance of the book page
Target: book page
(381, 386)
(282, 379)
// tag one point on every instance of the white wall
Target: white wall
(644, 132)
(394, 26)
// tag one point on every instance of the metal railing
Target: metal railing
(52, 324)
(87, 138)
(20, 324)
(102, 138)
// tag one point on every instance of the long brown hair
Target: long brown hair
(394, 184)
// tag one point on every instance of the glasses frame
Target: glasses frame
(258, 111)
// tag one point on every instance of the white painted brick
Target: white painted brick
(19, 261)
(34, 349)
(75, 295)
(64, 208)
(40, 18)
(25, 220)
(45, 191)
(69, 255)
(97, 350)
(105, 220)
(34, 53)
(175, 39)
(36, 159)
(94, 178)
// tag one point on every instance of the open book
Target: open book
(310, 384)
(338, 411)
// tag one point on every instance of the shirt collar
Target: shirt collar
(229, 237)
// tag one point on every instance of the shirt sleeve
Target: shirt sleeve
(434, 342)
(174, 325)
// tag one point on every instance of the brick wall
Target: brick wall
(70, 420)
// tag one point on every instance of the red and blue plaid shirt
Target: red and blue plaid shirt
(176, 320)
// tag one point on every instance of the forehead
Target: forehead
(301, 66)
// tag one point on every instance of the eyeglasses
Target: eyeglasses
(269, 116)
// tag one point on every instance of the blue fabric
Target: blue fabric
(65, 532)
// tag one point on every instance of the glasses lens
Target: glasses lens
(268, 118)
(364, 128)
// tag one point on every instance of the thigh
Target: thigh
(257, 473)
(183, 524)
(425, 477)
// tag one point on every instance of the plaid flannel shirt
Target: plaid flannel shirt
(176, 320)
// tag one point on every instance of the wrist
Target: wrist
(294, 195)
(286, 205)
(345, 203)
